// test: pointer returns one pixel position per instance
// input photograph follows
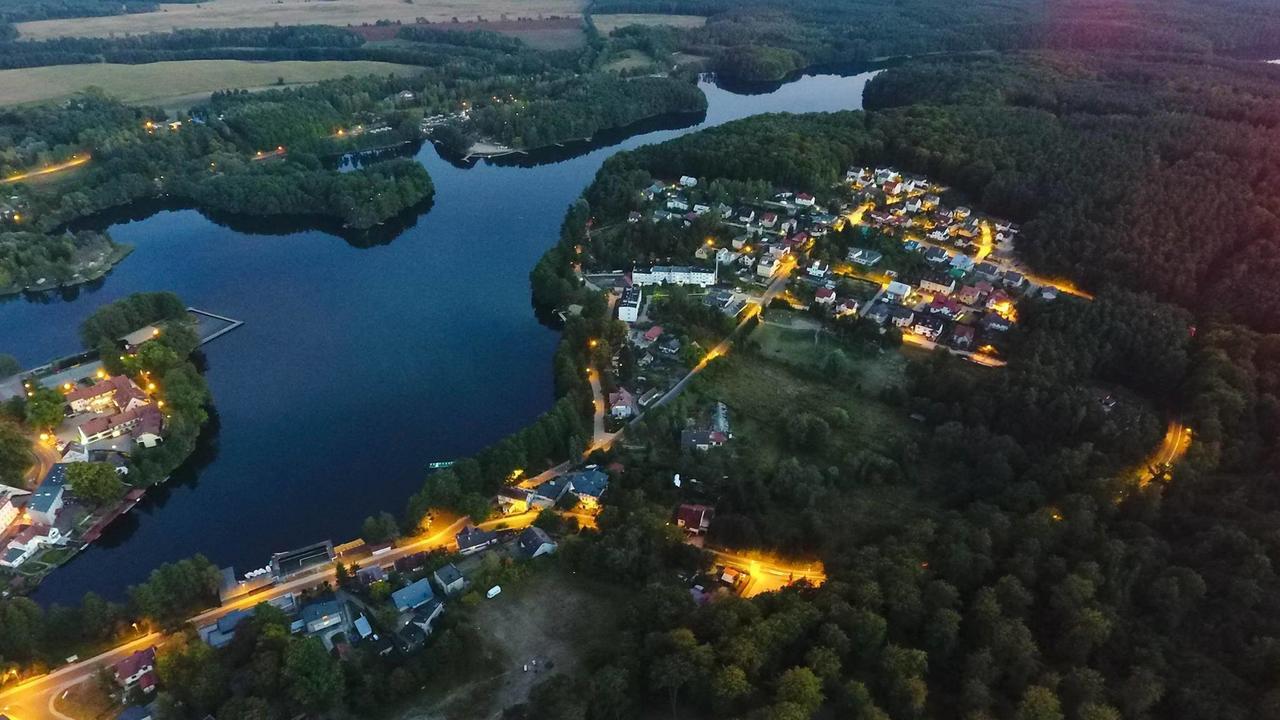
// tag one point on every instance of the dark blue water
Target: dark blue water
(355, 366)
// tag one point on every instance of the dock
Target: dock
(204, 318)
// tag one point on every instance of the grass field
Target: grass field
(608, 23)
(258, 13)
(174, 84)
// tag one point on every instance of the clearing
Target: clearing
(608, 23)
(264, 13)
(176, 84)
(553, 618)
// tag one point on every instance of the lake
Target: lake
(356, 366)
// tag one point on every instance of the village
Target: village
(85, 473)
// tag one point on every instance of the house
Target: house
(695, 519)
(995, 322)
(804, 200)
(901, 316)
(702, 440)
(9, 511)
(701, 210)
(115, 394)
(652, 334)
(864, 257)
(131, 671)
(425, 616)
(969, 295)
(74, 452)
(674, 275)
(622, 404)
(320, 616)
(47, 500)
(670, 346)
(928, 327)
(534, 542)
(768, 220)
(370, 575)
(986, 270)
(818, 269)
(513, 500)
(944, 306)
(825, 296)
(629, 304)
(725, 256)
(686, 181)
(914, 205)
(405, 96)
(746, 215)
(1000, 302)
(634, 217)
(143, 423)
(221, 633)
(878, 313)
(938, 284)
(897, 291)
(962, 337)
(962, 262)
(27, 542)
(655, 189)
(363, 628)
(412, 596)
(677, 204)
(548, 493)
(450, 579)
(937, 255)
(588, 486)
(846, 308)
(961, 213)
(472, 539)
(767, 267)
(1013, 279)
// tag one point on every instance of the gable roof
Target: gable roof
(472, 536)
(533, 538)
(413, 595)
(591, 482)
(448, 574)
(49, 489)
(130, 666)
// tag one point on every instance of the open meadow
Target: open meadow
(175, 84)
(258, 13)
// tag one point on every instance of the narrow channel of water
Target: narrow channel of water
(356, 366)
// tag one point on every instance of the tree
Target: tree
(801, 687)
(1039, 703)
(728, 688)
(97, 484)
(45, 408)
(380, 528)
(15, 453)
(313, 677)
(9, 366)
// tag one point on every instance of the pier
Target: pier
(221, 325)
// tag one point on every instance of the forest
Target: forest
(739, 37)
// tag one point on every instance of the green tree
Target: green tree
(1039, 703)
(9, 366)
(15, 453)
(380, 528)
(97, 484)
(45, 408)
(801, 687)
(313, 677)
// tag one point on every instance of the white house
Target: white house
(804, 200)
(9, 506)
(686, 181)
(629, 305)
(28, 540)
(767, 267)
(897, 291)
(674, 275)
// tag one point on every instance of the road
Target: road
(75, 161)
(45, 458)
(766, 574)
(1173, 447)
(599, 437)
(33, 698)
(974, 357)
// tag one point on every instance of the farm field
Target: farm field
(175, 84)
(608, 23)
(239, 13)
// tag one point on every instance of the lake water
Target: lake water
(356, 366)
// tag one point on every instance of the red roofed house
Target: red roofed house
(117, 393)
(653, 333)
(695, 519)
(143, 423)
(962, 337)
(825, 296)
(969, 295)
(622, 404)
(137, 670)
(944, 306)
(804, 199)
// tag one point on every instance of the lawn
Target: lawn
(608, 23)
(790, 338)
(627, 60)
(553, 618)
(264, 13)
(175, 84)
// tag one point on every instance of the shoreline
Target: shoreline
(122, 252)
